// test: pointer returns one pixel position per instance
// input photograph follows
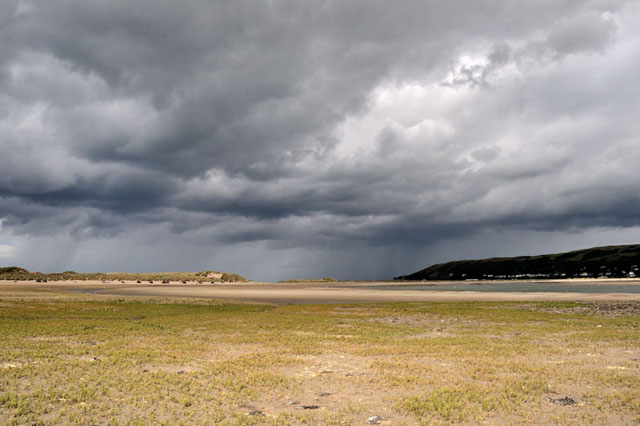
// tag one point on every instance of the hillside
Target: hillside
(597, 262)
(16, 273)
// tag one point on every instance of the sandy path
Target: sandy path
(311, 293)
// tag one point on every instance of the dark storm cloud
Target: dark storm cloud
(316, 126)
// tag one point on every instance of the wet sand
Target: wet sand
(351, 292)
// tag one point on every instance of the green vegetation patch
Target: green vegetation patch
(97, 361)
(15, 273)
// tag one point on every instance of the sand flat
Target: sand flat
(311, 292)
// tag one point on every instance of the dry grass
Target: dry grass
(105, 361)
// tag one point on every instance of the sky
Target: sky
(286, 139)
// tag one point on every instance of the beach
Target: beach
(316, 353)
(322, 292)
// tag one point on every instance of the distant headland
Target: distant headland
(597, 262)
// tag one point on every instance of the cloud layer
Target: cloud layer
(352, 138)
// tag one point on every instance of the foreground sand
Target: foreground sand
(343, 292)
(69, 357)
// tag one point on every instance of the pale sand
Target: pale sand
(312, 292)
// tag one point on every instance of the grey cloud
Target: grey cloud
(223, 124)
(485, 154)
(587, 32)
(235, 79)
(480, 74)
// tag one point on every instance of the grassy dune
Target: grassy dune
(79, 359)
(21, 274)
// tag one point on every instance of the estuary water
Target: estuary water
(525, 287)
